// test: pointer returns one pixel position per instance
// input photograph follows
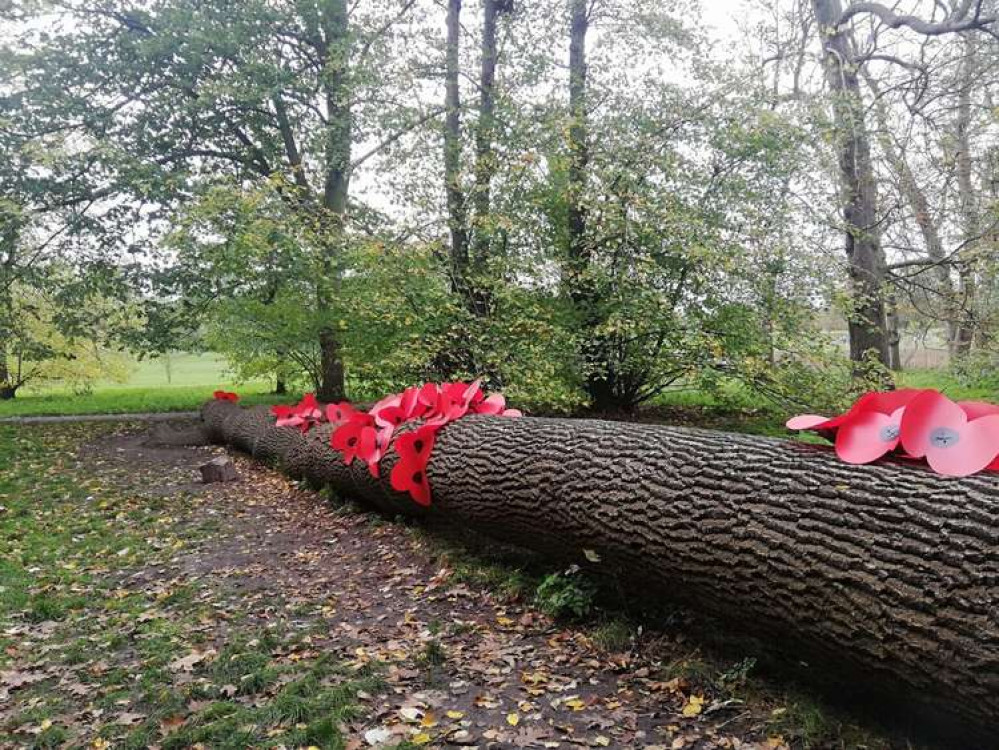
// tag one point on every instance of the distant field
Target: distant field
(181, 383)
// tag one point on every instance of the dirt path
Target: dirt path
(462, 666)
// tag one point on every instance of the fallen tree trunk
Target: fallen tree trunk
(890, 571)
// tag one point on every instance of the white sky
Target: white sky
(721, 15)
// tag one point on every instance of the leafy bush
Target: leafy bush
(568, 595)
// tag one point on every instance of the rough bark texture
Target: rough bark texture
(867, 266)
(452, 152)
(889, 571)
(335, 51)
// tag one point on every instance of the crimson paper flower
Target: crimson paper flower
(952, 442)
(347, 437)
(342, 412)
(870, 428)
(303, 415)
(410, 472)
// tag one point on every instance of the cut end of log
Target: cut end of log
(219, 469)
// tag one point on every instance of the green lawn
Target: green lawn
(946, 383)
(105, 642)
(181, 383)
(184, 381)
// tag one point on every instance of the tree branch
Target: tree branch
(955, 22)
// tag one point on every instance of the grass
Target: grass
(181, 382)
(948, 384)
(126, 400)
(97, 632)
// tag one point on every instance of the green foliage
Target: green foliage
(978, 370)
(42, 341)
(217, 129)
(566, 595)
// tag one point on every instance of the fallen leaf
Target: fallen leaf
(187, 663)
(695, 704)
(377, 736)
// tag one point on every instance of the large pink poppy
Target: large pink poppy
(953, 442)
(868, 430)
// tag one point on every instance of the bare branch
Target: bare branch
(955, 22)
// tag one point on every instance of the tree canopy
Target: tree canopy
(584, 201)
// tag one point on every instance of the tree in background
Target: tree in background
(584, 201)
(844, 63)
(170, 96)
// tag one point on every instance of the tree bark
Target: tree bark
(485, 163)
(967, 203)
(887, 572)
(336, 55)
(868, 269)
(598, 369)
(457, 220)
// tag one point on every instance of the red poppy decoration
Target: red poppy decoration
(956, 439)
(225, 396)
(347, 437)
(303, 415)
(953, 444)
(338, 413)
(410, 472)
(369, 436)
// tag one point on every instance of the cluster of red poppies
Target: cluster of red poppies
(956, 439)
(225, 396)
(368, 435)
(305, 414)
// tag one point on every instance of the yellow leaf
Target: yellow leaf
(694, 705)
(429, 720)
(601, 741)
(505, 621)
(512, 719)
(46, 724)
(421, 739)
(575, 704)
(455, 714)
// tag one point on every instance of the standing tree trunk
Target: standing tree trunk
(456, 215)
(599, 373)
(485, 161)
(868, 324)
(886, 574)
(915, 196)
(8, 388)
(967, 203)
(336, 48)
